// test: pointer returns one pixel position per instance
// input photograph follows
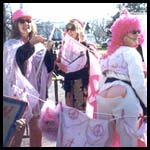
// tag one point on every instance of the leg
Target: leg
(69, 99)
(111, 128)
(35, 133)
(105, 106)
(125, 139)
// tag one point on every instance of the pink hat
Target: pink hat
(20, 13)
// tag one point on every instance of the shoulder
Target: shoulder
(130, 54)
(11, 41)
(12, 44)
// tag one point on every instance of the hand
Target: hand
(62, 67)
(36, 39)
(20, 124)
(49, 45)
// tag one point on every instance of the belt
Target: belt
(112, 79)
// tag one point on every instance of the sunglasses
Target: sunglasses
(24, 20)
(135, 31)
(71, 27)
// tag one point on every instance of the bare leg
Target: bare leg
(69, 99)
(35, 133)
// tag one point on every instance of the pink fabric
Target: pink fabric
(14, 83)
(20, 13)
(26, 88)
(70, 51)
(93, 87)
(49, 120)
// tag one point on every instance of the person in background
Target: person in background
(76, 83)
(124, 88)
(27, 66)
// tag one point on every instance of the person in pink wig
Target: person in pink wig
(124, 93)
(25, 76)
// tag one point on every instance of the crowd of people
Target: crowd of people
(28, 65)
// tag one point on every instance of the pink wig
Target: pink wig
(120, 28)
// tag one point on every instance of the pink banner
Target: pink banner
(94, 85)
(73, 54)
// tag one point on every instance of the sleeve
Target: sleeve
(23, 53)
(49, 60)
(136, 75)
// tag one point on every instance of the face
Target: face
(24, 25)
(73, 34)
(131, 38)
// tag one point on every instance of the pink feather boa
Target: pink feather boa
(49, 121)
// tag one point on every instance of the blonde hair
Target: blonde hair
(76, 25)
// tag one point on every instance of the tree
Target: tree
(7, 24)
(44, 28)
(133, 8)
(98, 29)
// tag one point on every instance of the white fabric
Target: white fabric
(114, 106)
(126, 63)
(77, 130)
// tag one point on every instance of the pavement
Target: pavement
(51, 96)
(45, 143)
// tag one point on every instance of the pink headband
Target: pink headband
(78, 21)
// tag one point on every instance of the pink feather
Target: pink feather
(49, 121)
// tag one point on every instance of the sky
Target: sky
(58, 12)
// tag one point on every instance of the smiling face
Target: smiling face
(73, 34)
(24, 26)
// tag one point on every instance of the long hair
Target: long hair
(16, 33)
(76, 25)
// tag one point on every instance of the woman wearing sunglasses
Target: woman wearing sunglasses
(22, 58)
(124, 89)
(76, 82)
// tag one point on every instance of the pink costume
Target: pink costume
(15, 84)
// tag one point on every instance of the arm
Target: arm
(23, 53)
(136, 74)
(49, 60)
